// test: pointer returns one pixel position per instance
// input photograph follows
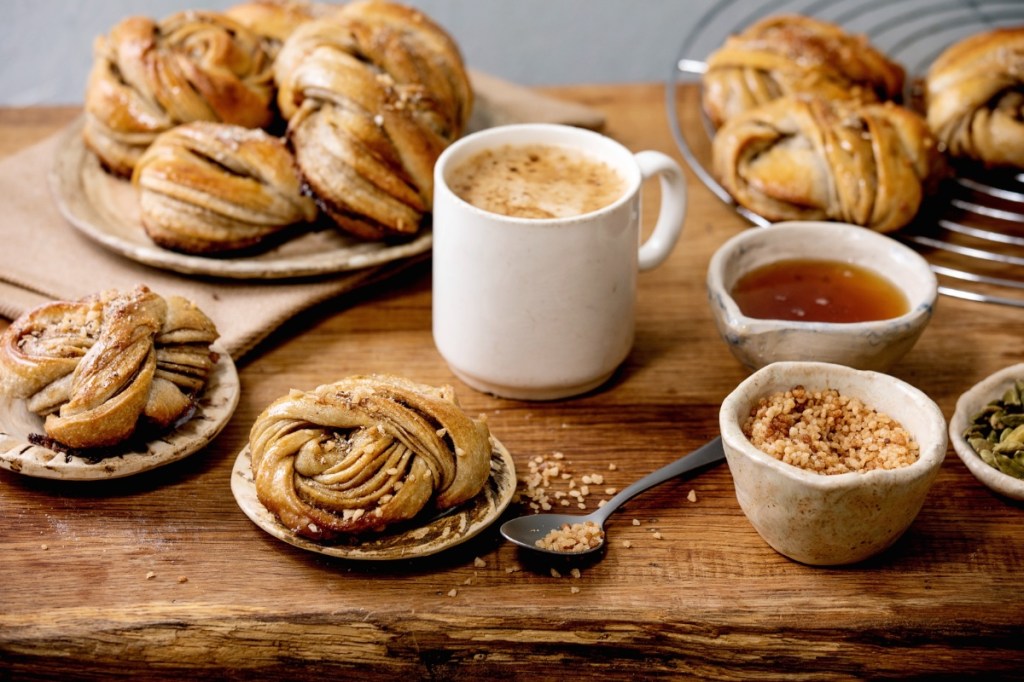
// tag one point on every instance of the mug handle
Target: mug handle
(666, 231)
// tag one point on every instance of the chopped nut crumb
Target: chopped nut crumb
(555, 573)
(636, 522)
(657, 535)
(627, 544)
(479, 563)
(537, 490)
(692, 496)
(574, 590)
(182, 579)
(827, 433)
(578, 537)
(575, 573)
(453, 592)
(44, 546)
(150, 575)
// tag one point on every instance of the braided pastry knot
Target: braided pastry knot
(373, 95)
(148, 77)
(100, 367)
(275, 20)
(791, 55)
(975, 97)
(213, 187)
(814, 159)
(364, 453)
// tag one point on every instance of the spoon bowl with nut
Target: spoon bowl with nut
(580, 534)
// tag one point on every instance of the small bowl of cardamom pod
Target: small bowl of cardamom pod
(987, 431)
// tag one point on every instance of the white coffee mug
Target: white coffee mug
(540, 309)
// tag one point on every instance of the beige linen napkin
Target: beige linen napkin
(43, 258)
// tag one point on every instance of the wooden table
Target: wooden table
(162, 574)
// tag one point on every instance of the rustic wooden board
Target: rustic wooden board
(708, 599)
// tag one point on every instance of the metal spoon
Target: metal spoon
(525, 531)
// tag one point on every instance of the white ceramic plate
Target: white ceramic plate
(105, 209)
(411, 541)
(215, 407)
(967, 406)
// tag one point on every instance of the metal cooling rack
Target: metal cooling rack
(972, 230)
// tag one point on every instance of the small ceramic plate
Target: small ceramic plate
(967, 406)
(215, 407)
(411, 541)
(105, 209)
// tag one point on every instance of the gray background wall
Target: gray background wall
(45, 45)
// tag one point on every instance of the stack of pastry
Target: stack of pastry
(365, 96)
(808, 129)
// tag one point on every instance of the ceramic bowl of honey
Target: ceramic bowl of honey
(819, 291)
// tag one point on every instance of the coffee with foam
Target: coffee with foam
(536, 181)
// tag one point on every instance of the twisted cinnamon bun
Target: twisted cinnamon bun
(275, 20)
(148, 77)
(975, 98)
(373, 95)
(214, 187)
(808, 158)
(364, 453)
(99, 368)
(789, 55)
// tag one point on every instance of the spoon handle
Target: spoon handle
(708, 453)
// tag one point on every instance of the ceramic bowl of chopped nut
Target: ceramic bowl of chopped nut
(819, 291)
(987, 431)
(830, 464)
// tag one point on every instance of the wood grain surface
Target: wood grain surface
(163, 575)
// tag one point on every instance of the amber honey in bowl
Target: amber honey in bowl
(813, 290)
